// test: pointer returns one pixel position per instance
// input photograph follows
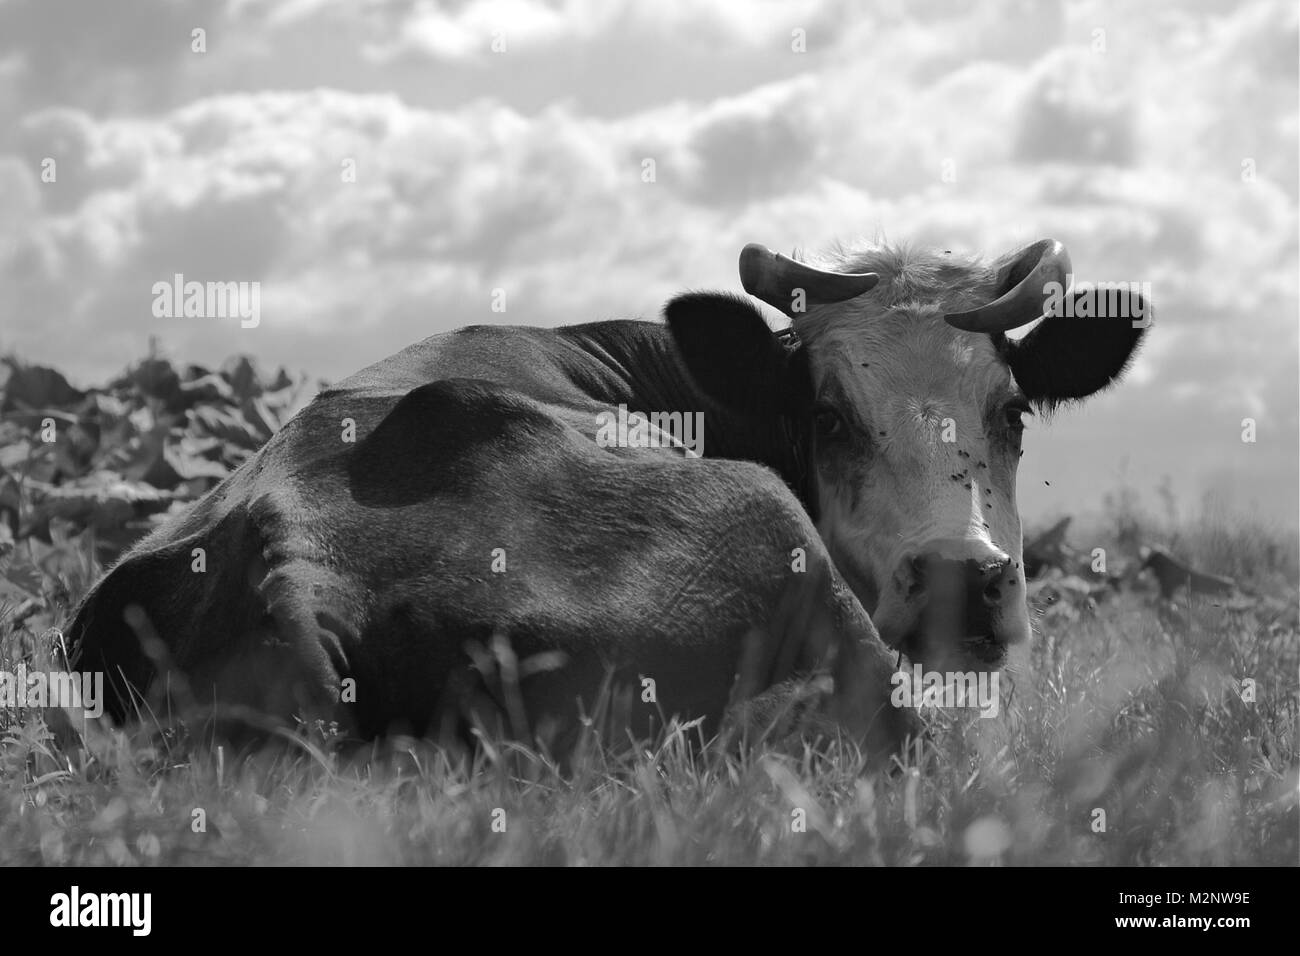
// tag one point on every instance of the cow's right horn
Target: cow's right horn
(775, 279)
(1023, 280)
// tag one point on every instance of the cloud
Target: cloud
(1074, 113)
(91, 52)
(470, 30)
(381, 172)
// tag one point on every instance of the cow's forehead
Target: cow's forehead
(893, 340)
(909, 275)
(906, 353)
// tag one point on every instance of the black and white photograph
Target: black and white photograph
(625, 434)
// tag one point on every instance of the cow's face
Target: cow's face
(912, 403)
(916, 432)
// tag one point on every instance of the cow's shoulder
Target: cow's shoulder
(447, 436)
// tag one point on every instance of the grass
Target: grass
(1129, 708)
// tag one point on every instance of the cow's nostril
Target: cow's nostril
(915, 575)
(989, 577)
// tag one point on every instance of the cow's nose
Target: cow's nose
(979, 587)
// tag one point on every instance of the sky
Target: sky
(380, 167)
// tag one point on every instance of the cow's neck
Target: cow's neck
(636, 364)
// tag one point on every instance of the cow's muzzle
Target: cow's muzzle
(964, 611)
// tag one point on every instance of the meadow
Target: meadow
(1143, 731)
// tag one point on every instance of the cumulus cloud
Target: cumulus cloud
(469, 30)
(92, 53)
(380, 171)
(1075, 113)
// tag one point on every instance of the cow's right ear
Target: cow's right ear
(734, 357)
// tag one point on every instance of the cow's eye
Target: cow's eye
(1014, 416)
(828, 422)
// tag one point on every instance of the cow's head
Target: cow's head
(911, 402)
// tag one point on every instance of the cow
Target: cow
(458, 509)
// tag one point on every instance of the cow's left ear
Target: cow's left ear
(1079, 352)
(733, 356)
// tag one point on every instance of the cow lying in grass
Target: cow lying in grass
(362, 566)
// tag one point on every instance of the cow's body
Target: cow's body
(376, 560)
(864, 465)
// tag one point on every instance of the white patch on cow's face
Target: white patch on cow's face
(915, 485)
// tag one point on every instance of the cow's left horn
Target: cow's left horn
(1026, 277)
(774, 278)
